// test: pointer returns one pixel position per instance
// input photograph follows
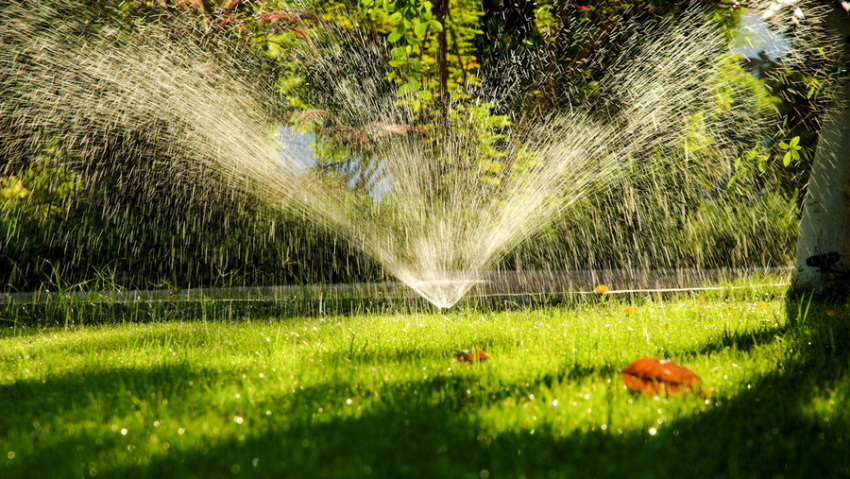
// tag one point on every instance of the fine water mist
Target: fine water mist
(448, 207)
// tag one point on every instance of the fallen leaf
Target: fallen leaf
(652, 376)
(601, 289)
(469, 355)
(630, 310)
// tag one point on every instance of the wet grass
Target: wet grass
(379, 396)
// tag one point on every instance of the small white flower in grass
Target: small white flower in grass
(181, 431)
(554, 403)
(268, 413)
(238, 419)
(124, 431)
(652, 431)
(348, 401)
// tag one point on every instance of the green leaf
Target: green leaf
(420, 28)
(786, 160)
(436, 26)
(404, 89)
(395, 35)
(414, 84)
(425, 95)
(762, 166)
(395, 17)
(795, 154)
(784, 145)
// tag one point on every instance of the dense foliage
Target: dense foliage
(711, 206)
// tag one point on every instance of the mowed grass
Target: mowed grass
(380, 395)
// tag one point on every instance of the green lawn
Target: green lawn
(380, 396)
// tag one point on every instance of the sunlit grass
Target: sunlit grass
(380, 395)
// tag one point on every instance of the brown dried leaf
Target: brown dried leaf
(652, 376)
(469, 355)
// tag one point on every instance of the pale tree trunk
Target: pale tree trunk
(823, 246)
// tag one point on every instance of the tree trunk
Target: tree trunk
(823, 246)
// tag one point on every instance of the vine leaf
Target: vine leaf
(652, 376)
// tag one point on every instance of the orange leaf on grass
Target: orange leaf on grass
(469, 355)
(652, 376)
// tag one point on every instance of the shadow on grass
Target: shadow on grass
(765, 431)
(775, 428)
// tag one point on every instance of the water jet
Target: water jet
(452, 207)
